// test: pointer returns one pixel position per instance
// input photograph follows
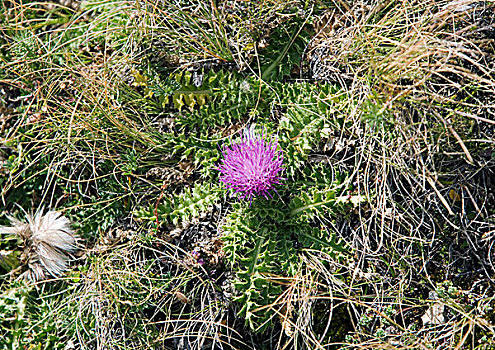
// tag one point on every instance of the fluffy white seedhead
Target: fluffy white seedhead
(48, 243)
(54, 230)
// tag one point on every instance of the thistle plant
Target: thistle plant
(48, 243)
(251, 166)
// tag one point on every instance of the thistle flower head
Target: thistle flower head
(252, 165)
(48, 243)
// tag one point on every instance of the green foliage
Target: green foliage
(320, 175)
(317, 201)
(202, 101)
(202, 150)
(229, 98)
(309, 110)
(254, 248)
(9, 260)
(28, 321)
(232, 97)
(376, 115)
(188, 94)
(12, 313)
(264, 244)
(25, 46)
(286, 45)
(180, 208)
(222, 98)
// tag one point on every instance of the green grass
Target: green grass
(113, 113)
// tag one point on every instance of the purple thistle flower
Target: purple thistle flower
(251, 166)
